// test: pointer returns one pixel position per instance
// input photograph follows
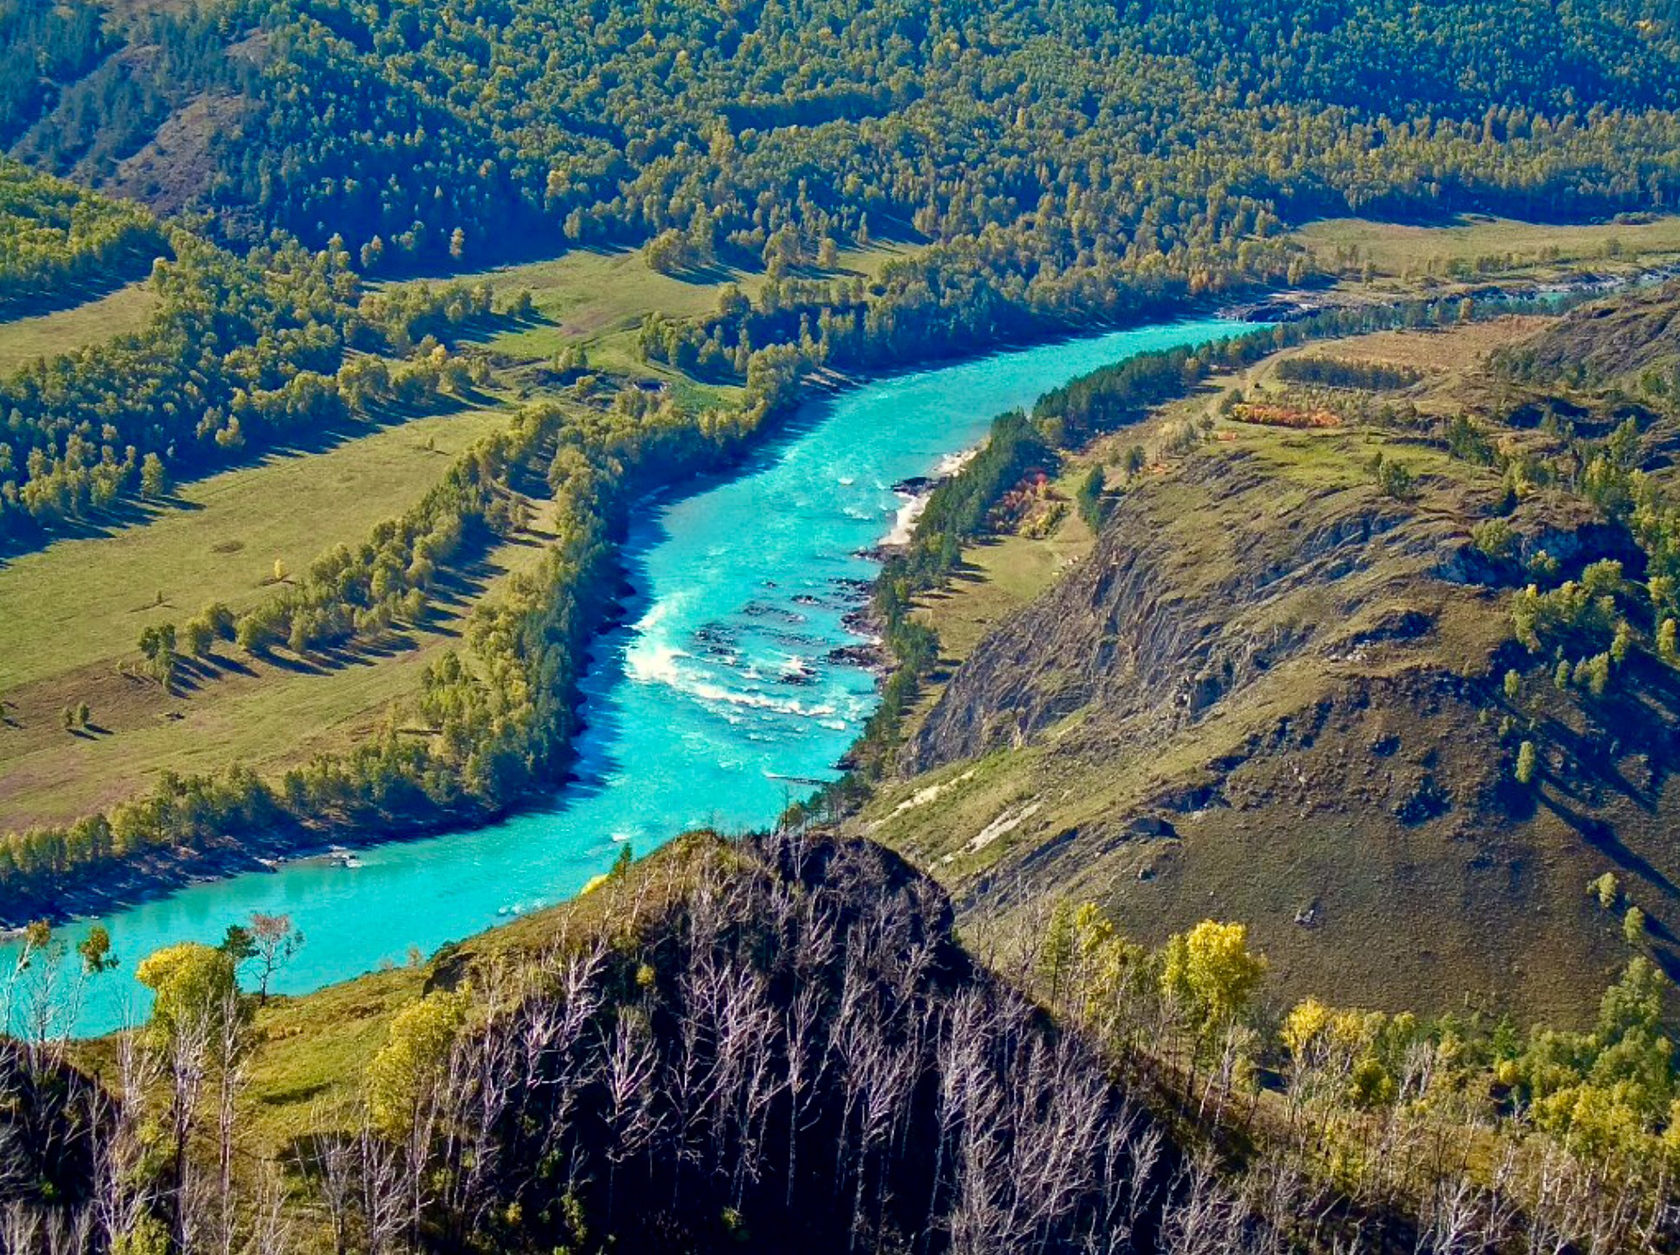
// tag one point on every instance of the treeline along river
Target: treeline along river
(728, 691)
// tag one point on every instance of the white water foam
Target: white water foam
(756, 701)
(652, 662)
(904, 522)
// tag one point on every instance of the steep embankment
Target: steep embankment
(1275, 693)
(1614, 339)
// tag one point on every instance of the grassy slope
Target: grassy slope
(64, 331)
(1394, 249)
(83, 600)
(1396, 914)
(70, 617)
(999, 575)
(306, 1072)
(308, 1069)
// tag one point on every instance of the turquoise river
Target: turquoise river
(718, 701)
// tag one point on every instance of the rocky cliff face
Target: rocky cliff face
(1179, 611)
(1272, 693)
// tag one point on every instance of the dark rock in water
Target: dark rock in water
(1283, 308)
(796, 640)
(915, 486)
(805, 599)
(764, 610)
(717, 640)
(870, 657)
(861, 622)
(855, 590)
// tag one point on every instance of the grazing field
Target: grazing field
(1448, 361)
(1430, 351)
(587, 291)
(66, 330)
(584, 292)
(1397, 250)
(70, 618)
(84, 600)
(597, 299)
(999, 575)
(264, 715)
(267, 713)
(71, 615)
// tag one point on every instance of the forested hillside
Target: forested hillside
(585, 125)
(429, 131)
(1065, 162)
(90, 86)
(242, 354)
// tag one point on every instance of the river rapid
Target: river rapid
(725, 694)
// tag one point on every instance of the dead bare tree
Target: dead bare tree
(333, 1157)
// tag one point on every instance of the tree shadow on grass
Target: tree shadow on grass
(131, 512)
(302, 664)
(69, 293)
(1603, 838)
(364, 652)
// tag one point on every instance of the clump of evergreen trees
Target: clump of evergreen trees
(58, 240)
(1333, 372)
